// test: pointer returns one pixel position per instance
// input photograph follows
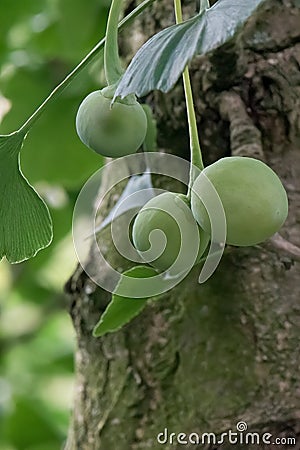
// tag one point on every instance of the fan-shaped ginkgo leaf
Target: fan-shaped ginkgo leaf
(25, 222)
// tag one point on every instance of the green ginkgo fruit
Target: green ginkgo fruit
(177, 233)
(254, 200)
(111, 130)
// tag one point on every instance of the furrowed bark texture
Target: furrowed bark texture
(207, 356)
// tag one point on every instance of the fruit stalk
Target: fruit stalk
(196, 155)
(204, 4)
(112, 64)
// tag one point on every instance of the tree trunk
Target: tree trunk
(208, 356)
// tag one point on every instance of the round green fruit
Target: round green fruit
(112, 131)
(254, 200)
(168, 214)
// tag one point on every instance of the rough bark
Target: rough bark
(207, 356)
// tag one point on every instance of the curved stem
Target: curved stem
(112, 64)
(196, 155)
(85, 61)
(204, 4)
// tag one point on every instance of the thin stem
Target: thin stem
(112, 64)
(85, 61)
(204, 4)
(196, 156)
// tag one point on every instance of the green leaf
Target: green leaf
(122, 309)
(25, 222)
(161, 60)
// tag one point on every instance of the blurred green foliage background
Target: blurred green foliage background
(40, 43)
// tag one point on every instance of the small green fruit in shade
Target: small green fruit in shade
(165, 226)
(111, 130)
(254, 200)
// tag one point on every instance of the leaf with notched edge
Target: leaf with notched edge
(25, 222)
